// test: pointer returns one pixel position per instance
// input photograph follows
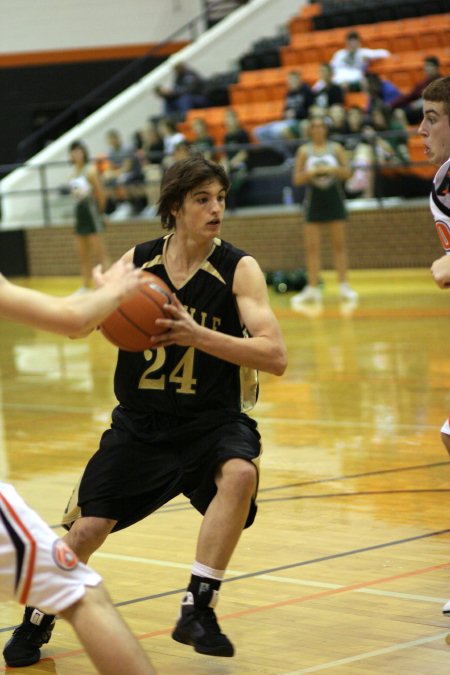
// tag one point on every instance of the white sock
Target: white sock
(200, 570)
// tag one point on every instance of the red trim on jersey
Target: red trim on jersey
(33, 547)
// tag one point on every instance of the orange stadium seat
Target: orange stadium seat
(309, 11)
(298, 24)
(210, 115)
(356, 98)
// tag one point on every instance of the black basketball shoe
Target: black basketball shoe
(23, 647)
(198, 627)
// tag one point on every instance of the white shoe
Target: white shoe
(308, 294)
(346, 292)
(122, 212)
(347, 307)
(446, 608)
(312, 310)
(149, 212)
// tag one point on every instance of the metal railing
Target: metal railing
(50, 194)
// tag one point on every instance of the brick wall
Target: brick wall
(377, 238)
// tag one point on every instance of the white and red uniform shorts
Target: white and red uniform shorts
(36, 567)
(445, 428)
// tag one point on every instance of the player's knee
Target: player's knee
(446, 441)
(239, 476)
(87, 534)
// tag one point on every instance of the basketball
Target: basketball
(132, 324)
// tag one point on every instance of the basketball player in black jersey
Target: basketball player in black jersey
(181, 426)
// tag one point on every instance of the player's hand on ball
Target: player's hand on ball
(440, 270)
(123, 276)
(180, 329)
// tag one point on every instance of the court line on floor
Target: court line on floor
(303, 563)
(368, 655)
(184, 505)
(351, 476)
(279, 604)
(359, 493)
(273, 577)
(280, 568)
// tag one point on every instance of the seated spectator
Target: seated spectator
(356, 118)
(298, 100)
(186, 92)
(151, 155)
(123, 179)
(202, 142)
(380, 91)
(337, 116)
(326, 92)
(168, 131)
(394, 132)
(350, 64)
(181, 150)
(411, 102)
(371, 152)
(235, 159)
(152, 150)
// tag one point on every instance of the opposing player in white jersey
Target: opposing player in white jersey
(435, 132)
(36, 567)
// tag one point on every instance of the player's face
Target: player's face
(202, 210)
(435, 132)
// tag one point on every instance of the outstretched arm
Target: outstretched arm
(440, 270)
(73, 315)
(263, 350)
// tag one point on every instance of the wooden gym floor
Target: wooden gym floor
(348, 564)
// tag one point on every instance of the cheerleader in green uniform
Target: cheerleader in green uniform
(87, 191)
(322, 166)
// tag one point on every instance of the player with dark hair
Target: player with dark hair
(435, 131)
(37, 567)
(181, 425)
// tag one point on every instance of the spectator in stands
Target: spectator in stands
(151, 156)
(411, 102)
(235, 159)
(124, 179)
(299, 98)
(337, 117)
(181, 150)
(152, 144)
(326, 92)
(356, 118)
(372, 152)
(89, 197)
(350, 64)
(187, 91)
(393, 131)
(202, 141)
(322, 166)
(170, 135)
(380, 91)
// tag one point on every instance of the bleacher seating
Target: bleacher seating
(257, 94)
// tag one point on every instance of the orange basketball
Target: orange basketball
(132, 324)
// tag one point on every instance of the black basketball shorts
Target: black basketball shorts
(128, 478)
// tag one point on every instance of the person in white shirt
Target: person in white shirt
(349, 64)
